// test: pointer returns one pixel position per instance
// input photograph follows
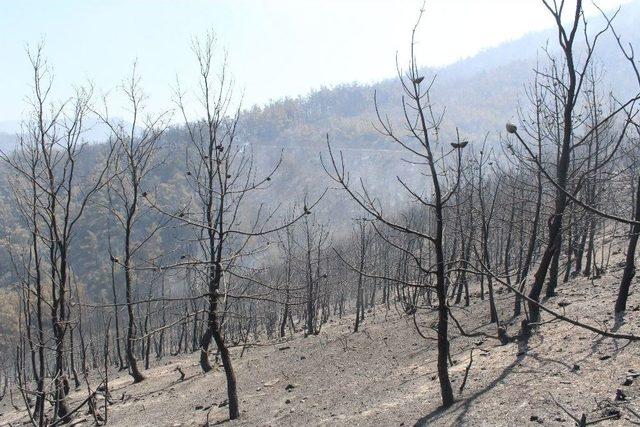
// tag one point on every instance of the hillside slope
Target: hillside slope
(385, 374)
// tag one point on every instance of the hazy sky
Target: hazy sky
(276, 48)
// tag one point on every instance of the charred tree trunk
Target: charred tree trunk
(629, 266)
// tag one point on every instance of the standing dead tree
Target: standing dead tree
(223, 179)
(634, 232)
(55, 193)
(487, 210)
(313, 247)
(423, 126)
(566, 87)
(363, 237)
(286, 244)
(136, 147)
(210, 170)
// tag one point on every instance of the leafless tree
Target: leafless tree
(423, 126)
(567, 85)
(222, 175)
(53, 193)
(137, 155)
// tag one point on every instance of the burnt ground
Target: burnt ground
(385, 374)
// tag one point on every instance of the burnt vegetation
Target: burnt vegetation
(186, 235)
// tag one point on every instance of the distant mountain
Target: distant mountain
(480, 95)
(9, 126)
(8, 141)
(95, 132)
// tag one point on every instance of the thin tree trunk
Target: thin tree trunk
(630, 267)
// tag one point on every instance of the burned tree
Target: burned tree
(363, 237)
(566, 86)
(52, 193)
(223, 178)
(313, 247)
(443, 174)
(136, 148)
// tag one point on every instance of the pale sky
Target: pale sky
(277, 48)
